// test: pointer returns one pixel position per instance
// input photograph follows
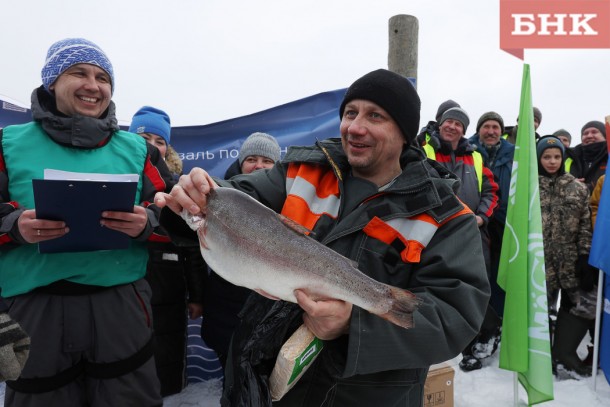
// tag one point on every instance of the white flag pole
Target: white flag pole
(598, 313)
(516, 389)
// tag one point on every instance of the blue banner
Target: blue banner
(214, 147)
(13, 114)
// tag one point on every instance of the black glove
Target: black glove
(14, 348)
(588, 274)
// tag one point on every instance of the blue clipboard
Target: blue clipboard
(80, 204)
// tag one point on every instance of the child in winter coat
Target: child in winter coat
(566, 226)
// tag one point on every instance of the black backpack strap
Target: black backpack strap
(44, 384)
(96, 370)
(120, 367)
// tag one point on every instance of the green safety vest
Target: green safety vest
(568, 164)
(28, 150)
(476, 156)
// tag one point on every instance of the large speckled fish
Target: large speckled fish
(251, 246)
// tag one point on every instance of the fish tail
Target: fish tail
(404, 304)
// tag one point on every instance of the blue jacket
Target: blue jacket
(501, 166)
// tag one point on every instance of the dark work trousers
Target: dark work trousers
(102, 327)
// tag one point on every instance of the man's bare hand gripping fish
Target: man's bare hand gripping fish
(251, 246)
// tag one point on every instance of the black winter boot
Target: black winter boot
(569, 332)
(469, 362)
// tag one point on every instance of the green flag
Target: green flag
(525, 346)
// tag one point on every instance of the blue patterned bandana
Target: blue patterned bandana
(71, 51)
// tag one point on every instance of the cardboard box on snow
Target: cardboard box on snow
(438, 390)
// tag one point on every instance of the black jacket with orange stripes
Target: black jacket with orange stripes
(377, 363)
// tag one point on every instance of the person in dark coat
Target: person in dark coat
(175, 273)
(588, 160)
(479, 191)
(497, 155)
(222, 300)
(511, 131)
(564, 136)
(433, 125)
(388, 209)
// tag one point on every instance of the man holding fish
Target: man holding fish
(387, 214)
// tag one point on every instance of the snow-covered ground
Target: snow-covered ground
(481, 388)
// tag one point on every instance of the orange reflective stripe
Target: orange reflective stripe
(415, 233)
(420, 228)
(325, 181)
(297, 209)
(464, 211)
(413, 252)
(378, 229)
(309, 193)
(312, 191)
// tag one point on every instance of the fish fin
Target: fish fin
(300, 229)
(201, 232)
(404, 304)
(267, 295)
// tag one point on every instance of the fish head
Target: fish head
(193, 221)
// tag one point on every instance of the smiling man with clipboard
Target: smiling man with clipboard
(85, 293)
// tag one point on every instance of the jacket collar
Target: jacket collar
(76, 131)
(417, 169)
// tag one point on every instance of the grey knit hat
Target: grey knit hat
(456, 113)
(261, 144)
(490, 116)
(563, 132)
(537, 115)
(443, 107)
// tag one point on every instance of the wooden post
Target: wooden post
(402, 53)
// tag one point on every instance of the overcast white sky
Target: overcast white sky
(209, 60)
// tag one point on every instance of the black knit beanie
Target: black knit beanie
(490, 116)
(595, 124)
(393, 93)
